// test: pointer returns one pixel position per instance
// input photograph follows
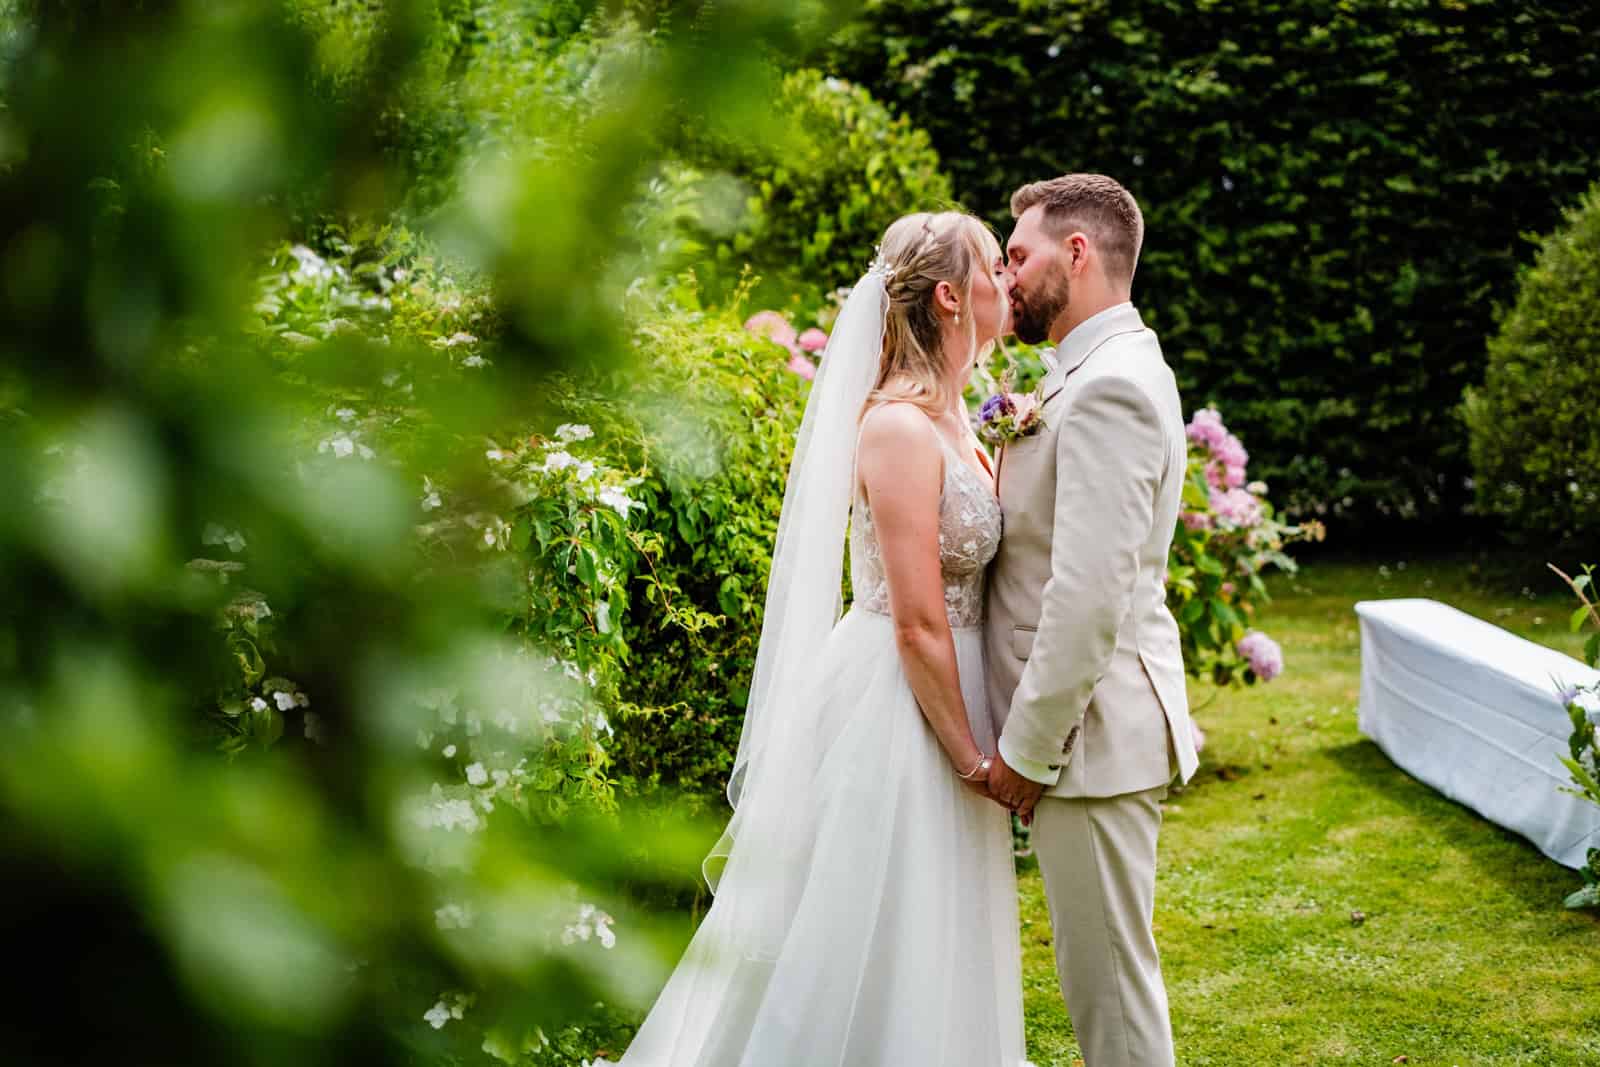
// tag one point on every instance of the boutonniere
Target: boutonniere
(1008, 416)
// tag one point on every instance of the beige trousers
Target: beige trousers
(1098, 857)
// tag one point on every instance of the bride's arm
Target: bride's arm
(902, 468)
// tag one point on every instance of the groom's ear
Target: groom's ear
(1076, 247)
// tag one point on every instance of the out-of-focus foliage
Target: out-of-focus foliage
(817, 196)
(1335, 193)
(289, 483)
(1535, 422)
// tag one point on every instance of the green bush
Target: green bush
(1334, 193)
(708, 418)
(819, 195)
(1535, 426)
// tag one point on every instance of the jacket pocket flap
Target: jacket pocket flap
(1022, 641)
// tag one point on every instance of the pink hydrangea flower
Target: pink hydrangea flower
(802, 366)
(813, 340)
(774, 327)
(1237, 508)
(1196, 520)
(1263, 655)
(1206, 428)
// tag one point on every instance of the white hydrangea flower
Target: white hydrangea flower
(586, 470)
(437, 1015)
(591, 923)
(284, 700)
(449, 751)
(617, 500)
(258, 704)
(476, 775)
(559, 460)
(430, 495)
(495, 455)
(574, 431)
(474, 360)
(345, 414)
(339, 444)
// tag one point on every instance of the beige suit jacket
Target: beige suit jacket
(1083, 656)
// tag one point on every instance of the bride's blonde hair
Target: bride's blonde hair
(917, 253)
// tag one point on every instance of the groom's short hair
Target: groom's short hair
(1095, 204)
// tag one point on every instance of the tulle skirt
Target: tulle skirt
(901, 944)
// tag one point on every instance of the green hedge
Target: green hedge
(1334, 193)
(1535, 423)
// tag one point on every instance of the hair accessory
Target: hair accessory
(880, 267)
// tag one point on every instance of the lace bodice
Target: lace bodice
(969, 536)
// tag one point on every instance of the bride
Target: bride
(866, 910)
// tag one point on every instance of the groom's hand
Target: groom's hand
(1012, 789)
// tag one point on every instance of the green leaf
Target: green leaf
(587, 573)
(730, 596)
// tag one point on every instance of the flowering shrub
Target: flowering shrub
(1583, 705)
(1227, 535)
(802, 348)
(515, 730)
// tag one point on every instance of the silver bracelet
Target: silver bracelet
(981, 767)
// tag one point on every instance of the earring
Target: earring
(958, 318)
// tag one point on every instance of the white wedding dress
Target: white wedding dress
(898, 939)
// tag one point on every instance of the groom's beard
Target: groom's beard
(1032, 316)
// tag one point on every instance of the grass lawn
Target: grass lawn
(1295, 821)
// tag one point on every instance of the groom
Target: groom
(1086, 681)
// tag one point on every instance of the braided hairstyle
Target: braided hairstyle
(918, 252)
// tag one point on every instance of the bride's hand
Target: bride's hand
(976, 778)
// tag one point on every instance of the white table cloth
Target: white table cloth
(1473, 711)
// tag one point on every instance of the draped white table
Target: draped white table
(1473, 711)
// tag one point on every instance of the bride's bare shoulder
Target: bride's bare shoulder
(898, 441)
(897, 424)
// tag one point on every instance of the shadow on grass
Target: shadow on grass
(1498, 855)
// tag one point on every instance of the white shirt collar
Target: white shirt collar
(1082, 331)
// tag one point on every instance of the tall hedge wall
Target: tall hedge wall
(1335, 193)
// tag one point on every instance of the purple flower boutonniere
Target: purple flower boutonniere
(1007, 417)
